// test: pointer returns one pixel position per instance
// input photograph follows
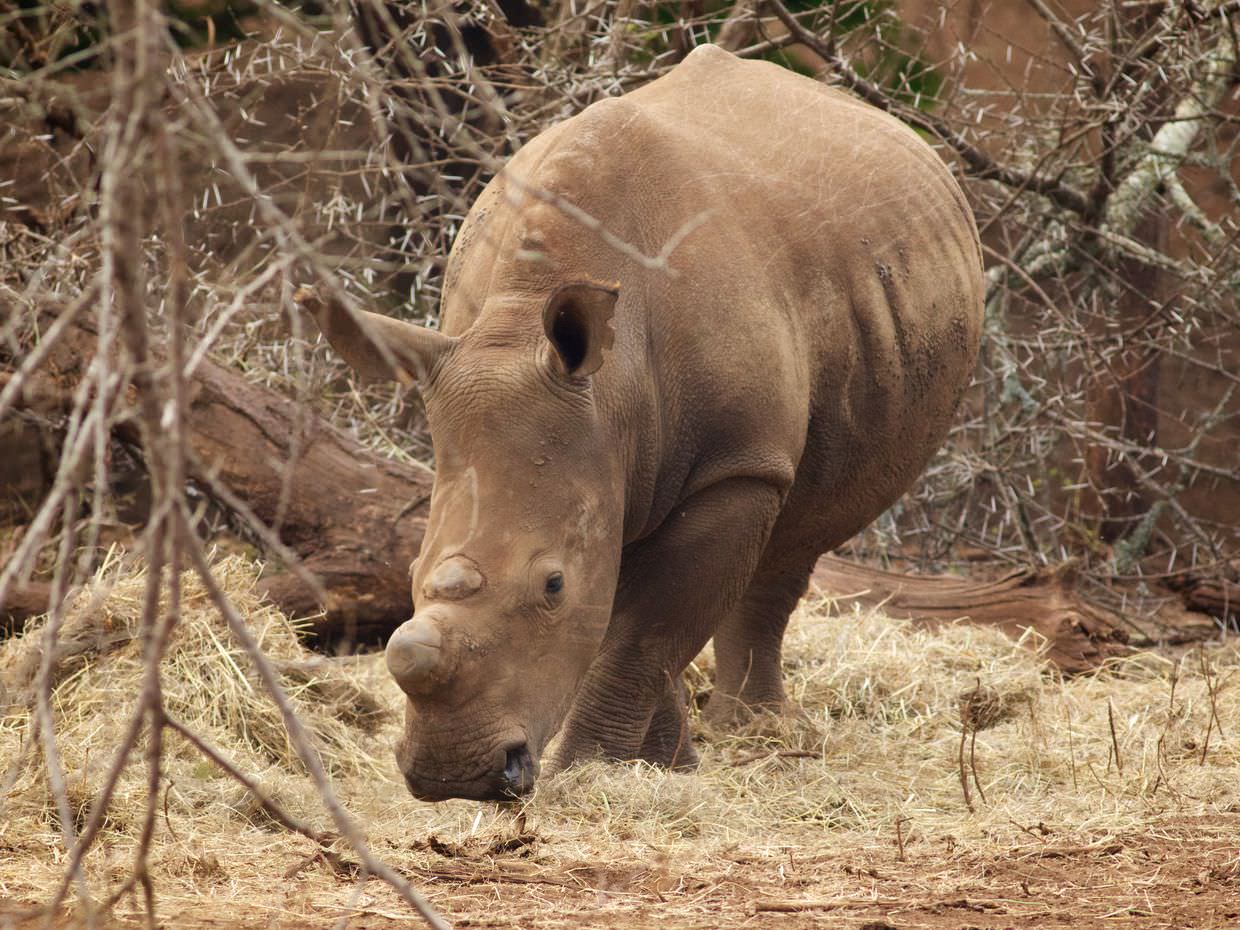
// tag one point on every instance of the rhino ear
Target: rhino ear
(577, 321)
(377, 347)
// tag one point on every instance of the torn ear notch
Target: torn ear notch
(577, 322)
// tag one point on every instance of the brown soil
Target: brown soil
(1184, 875)
(1103, 800)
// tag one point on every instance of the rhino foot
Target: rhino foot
(668, 742)
(727, 712)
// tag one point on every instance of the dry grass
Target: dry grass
(874, 742)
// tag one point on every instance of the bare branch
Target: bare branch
(979, 164)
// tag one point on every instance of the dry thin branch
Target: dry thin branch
(324, 841)
(299, 737)
(980, 164)
(1173, 141)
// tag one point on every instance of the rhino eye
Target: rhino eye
(554, 584)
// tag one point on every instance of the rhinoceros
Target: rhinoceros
(691, 339)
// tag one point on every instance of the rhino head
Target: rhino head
(513, 586)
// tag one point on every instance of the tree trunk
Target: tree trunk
(1124, 397)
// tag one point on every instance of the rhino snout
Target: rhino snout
(415, 653)
(509, 773)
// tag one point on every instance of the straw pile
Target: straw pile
(209, 686)
(868, 766)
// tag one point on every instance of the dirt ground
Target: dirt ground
(1178, 877)
(1103, 800)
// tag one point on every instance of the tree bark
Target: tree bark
(26, 467)
(1124, 398)
(1218, 596)
(21, 605)
(354, 517)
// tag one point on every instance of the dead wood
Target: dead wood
(26, 467)
(1214, 595)
(22, 604)
(1079, 635)
(1217, 597)
(354, 518)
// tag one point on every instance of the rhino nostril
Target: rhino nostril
(519, 770)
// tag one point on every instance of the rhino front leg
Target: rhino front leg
(674, 588)
(668, 741)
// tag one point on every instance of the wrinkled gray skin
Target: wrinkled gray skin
(632, 461)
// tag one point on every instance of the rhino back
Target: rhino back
(822, 309)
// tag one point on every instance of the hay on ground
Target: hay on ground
(871, 747)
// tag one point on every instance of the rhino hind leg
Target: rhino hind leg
(748, 648)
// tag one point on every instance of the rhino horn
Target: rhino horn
(414, 654)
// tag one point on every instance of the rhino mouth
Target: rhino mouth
(511, 774)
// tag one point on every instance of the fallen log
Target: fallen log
(1079, 635)
(356, 521)
(354, 517)
(22, 604)
(1218, 596)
